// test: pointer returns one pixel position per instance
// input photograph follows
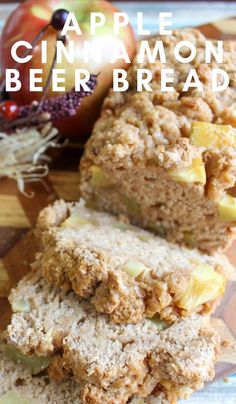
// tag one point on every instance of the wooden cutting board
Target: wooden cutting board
(18, 215)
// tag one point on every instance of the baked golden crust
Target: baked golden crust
(142, 137)
(91, 259)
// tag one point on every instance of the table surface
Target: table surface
(184, 14)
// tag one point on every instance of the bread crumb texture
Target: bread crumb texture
(17, 381)
(127, 272)
(167, 159)
(111, 362)
(18, 386)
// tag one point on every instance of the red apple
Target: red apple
(25, 23)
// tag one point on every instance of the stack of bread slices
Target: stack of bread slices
(113, 313)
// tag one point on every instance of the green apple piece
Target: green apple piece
(21, 306)
(131, 205)
(99, 177)
(227, 208)
(35, 364)
(75, 221)
(189, 237)
(145, 237)
(13, 397)
(156, 229)
(134, 268)
(160, 324)
(90, 204)
(194, 173)
(124, 226)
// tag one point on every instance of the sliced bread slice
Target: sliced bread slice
(18, 386)
(127, 272)
(112, 362)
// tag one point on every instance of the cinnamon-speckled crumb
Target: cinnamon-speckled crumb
(114, 360)
(140, 137)
(90, 259)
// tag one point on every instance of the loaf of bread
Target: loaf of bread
(167, 160)
(127, 272)
(112, 363)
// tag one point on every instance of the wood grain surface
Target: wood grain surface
(18, 214)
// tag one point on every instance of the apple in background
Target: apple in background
(25, 23)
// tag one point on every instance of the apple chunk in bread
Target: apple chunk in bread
(35, 364)
(21, 306)
(227, 208)
(12, 397)
(134, 268)
(99, 177)
(205, 285)
(75, 221)
(210, 135)
(194, 173)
